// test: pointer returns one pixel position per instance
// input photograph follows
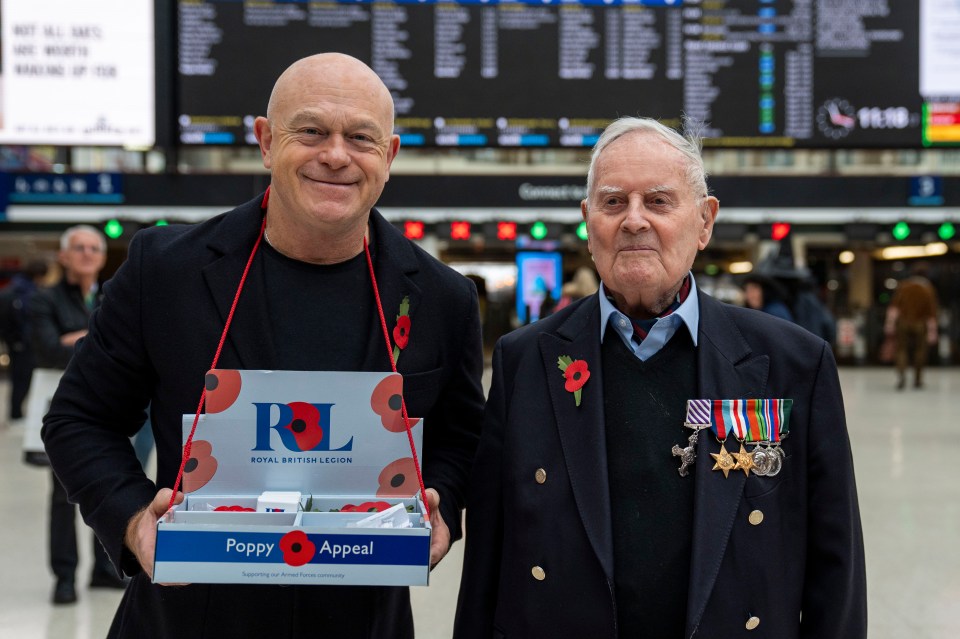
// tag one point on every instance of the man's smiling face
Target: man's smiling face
(328, 143)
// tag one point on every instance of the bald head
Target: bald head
(328, 143)
(330, 70)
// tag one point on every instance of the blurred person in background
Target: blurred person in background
(15, 331)
(583, 283)
(912, 320)
(810, 312)
(765, 294)
(58, 320)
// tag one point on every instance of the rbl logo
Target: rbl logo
(301, 426)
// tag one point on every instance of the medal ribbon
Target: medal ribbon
(749, 420)
(698, 411)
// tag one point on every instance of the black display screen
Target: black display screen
(758, 73)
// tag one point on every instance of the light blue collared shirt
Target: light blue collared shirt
(688, 314)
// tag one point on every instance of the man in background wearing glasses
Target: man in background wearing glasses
(58, 317)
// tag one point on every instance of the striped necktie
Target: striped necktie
(642, 327)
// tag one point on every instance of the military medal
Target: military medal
(698, 418)
(763, 422)
(724, 460)
(774, 457)
(744, 460)
(688, 454)
(762, 461)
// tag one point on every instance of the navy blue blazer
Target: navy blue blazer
(153, 339)
(800, 572)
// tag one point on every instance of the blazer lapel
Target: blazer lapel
(394, 263)
(249, 342)
(581, 428)
(727, 369)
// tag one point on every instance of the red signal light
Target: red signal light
(779, 231)
(413, 230)
(506, 230)
(460, 230)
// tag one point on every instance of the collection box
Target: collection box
(298, 478)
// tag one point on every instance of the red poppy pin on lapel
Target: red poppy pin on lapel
(576, 373)
(401, 332)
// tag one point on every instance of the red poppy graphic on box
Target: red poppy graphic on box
(305, 425)
(399, 479)
(223, 387)
(297, 548)
(200, 468)
(386, 402)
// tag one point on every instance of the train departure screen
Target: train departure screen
(554, 73)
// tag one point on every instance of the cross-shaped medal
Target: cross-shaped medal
(688, 454)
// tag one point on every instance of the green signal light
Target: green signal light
(582, 231)
(947, 231)
(113, 229)
(538, 230)
(711, 269)
(901, 231)
(162, 223)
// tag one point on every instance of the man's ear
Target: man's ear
(709, 210)
(584, 209)
(261, 129)
(393, 148)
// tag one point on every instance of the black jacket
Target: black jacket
(805, 556)
(53, 312)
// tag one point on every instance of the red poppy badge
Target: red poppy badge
(576, 373)
(401, 332)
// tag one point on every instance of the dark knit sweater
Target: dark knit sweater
(652, 505)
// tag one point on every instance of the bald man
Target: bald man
(308, 303)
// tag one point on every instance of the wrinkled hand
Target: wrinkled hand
(440, 540)
(141, 537)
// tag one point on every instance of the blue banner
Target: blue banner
(294, 548)
(58, 188)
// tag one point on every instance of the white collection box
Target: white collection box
(336, 438)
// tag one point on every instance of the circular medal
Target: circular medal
(776, 457)
(761, 461)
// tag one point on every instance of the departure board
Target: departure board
(554, 73)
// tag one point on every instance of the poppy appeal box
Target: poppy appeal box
(332, 453)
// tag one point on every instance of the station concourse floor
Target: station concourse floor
(906, 448)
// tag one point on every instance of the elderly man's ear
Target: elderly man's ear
(710, 209)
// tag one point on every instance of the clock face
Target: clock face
(836, 118)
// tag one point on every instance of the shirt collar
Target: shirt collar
(688, 313)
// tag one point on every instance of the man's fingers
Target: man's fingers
(440, 540)
(141, 537)
(159, 504)
(433, 500)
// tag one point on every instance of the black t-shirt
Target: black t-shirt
(321, 315)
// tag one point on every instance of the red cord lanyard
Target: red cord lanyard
(223, 338)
